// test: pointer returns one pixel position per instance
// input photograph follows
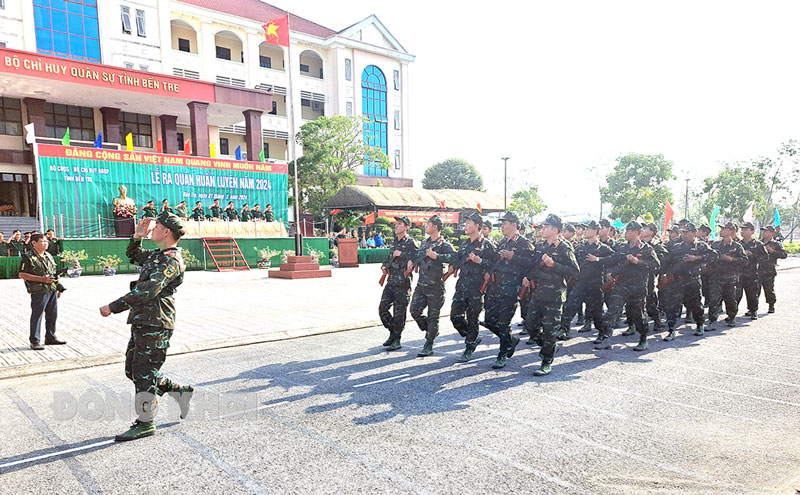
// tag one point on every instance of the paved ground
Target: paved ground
(334, 413)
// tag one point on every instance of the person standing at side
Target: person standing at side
(38, 270)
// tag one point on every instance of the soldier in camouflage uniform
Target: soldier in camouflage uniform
(473, 258)
(680, 278)
(486, 230)
(775, 252)
(703, 233)
(429, 291)
(749, 283)
(182, 211)
(725, 270)
(551, 265)
(630, 266)
(398, 289)
(151, 302)
(649, 236)
(216, 211)
(504, 280)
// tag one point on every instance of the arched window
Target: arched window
(373, 106)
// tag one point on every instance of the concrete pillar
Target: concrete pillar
(198, 117)
(35, 110)
(111, 132)
(169, 134)
(253, 136)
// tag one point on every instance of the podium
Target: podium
(299, 267)
(348, 253)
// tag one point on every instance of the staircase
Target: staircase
(23, 224)
(225, 253)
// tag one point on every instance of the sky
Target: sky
(564, 88)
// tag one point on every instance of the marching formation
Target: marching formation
(559, 271)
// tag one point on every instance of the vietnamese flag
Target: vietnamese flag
(480, 210)
(187, 148)
(334, 212)
(369, 219)
(441, 204)
(668, 214)
(276, 31)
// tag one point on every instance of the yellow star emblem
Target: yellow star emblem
(272, 30)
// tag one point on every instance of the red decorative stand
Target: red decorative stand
(297, 267)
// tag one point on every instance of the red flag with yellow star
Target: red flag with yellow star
(276, 31)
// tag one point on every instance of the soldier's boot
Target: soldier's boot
(657, 325)
(712, 325)
(603, 342)
(544, 369)
(699, 332)
(524, 330)
(630, 331)
(395, 344)
(771, 308)
(754, 315)
(139, 429)
(389, 340)
(427, 349)
(642, 346)
(580, 321)
(670, 335)
(514, 342)
(470, 348)
(501, 361)
(183, 395)
(587, 326)
(730, 321)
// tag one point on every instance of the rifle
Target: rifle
(523, 290)
(611, 283)
(383, 278)
(415, 264)
(452, 271)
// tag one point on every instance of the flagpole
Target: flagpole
(298, 243)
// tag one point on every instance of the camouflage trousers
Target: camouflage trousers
(705, 278)
(651, 304)
(146, 353)
(543, 322)
(750, 286)
(684, 291)
(627, 298)
(432, 297)
(500, 309)
(584, 292)
(395, 297)
(723, 288)
(465, 311)
(768, 283)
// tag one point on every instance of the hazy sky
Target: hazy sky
(564, 86)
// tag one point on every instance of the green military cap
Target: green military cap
(592, 226)
(683, 221)
(730, 226)
(650, 226)
(172, 222)
(475, 217)
(748, 225)
(553, 220)
(488, 222)
(688, 227)
(510, 216)
(768, 227)
(437, 221)
(580, 225)
(633, 225)
(569, 228)
(604, 222)
(675, 228)
(404, 219)
(704, 228)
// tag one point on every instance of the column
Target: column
(198, 117)
(111, 132)
(169, 134)
(35, 109)
(253, 137)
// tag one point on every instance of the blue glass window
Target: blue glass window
(373, 106)
(67, 28)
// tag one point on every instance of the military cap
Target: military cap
(150, 202)
(633, 225)
(683, 221)
(404, 219)
(604, 222)
(675, 228)
(437, 221)
(592, 226)
(182, 202)
(768, 227)
(244, 205)
(580, 225)
(704, 228)
(172, 222)
(688, 227)
(748, 225)
(569, 228)
(488, 223)
(553, 220)
(197, 202)
(522, 227)
(652, 227)
(474, 216)
(256, 205)
(511, 217)
(730, 226)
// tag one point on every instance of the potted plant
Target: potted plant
(265, 256)
(315, 255)
(74, 258)
(189, 259)
(285, 255)
(109, 264)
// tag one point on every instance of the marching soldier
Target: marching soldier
(749, 283)
(775, 252)
(703, 233)
(473, 258)
(652, 307)
(504, 281)
(152, 317)
(725, 276)
(630, 266)
(429, 291)
(398, 289)
(553, 263)
(674, 235)
(680, 282)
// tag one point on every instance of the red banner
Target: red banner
(420, 217)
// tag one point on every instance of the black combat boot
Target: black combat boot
(395, 344)
(699, 332)
(642, 344)
(771, 308)
(730, 321)
(388, 340)
(603, 342)
(501, 361)
(587, 326)
(514, 342)
(630, 331)
(470, 348)
(671, 335)
(427, 349)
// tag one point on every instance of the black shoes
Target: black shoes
(54, 341)
(37, 346)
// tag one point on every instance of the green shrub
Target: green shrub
(415, 232)
(383, 221)
(448, 232)
(792, 247)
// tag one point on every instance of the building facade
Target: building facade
(230, 86)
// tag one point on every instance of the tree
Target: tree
(638, 186)
(453, 173)
(333, 149)
(527, 203)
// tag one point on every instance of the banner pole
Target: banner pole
(298, 242)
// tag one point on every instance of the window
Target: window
(348, 69)
(80, 121)
(128, 65)
(304, 68)
(397, 79)
(397, 159)
(10, 116)
(180, 141)
(274, 108)
(265, 62)
(223, 53)
(139, 125)
(320, 73)
(349, 108)
(397, 120)
(2, 44)
(305, 103)
(67, 28)
(140, 23)
(223, 146)
(125, 13)
(144, 67)
(184, 45)
(266, 150)
(373, 106)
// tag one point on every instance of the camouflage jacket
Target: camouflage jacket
(632, 275)
(41, 266)
(756, 256)
(721, 268)
(508, 274)
(550, 283)
(674, 264)
(216, 212)
(4, 248)
(592, 271)
(16, 248)
(430, 270)
(231, 214)
(775, 252)
(471, 274)
(397, 266)
(151, 299)
(182, 212)
(269, 216)
(149, 212)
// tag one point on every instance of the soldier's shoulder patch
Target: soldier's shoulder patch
(171, 270)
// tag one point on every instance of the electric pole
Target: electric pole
(505, 183)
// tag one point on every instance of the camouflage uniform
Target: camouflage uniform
(149, 212)
(725, 279)
(589, 287)
(151, 302)
(652, 305)
(269, 216)
(680, 284)
(398, 288)
(429, 291)
(749, 283)
(182, 212)
(16, 247)
(216, 212)
(231, 214)
(775, 251)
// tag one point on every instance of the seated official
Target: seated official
(198, 213)
(268, 215)
(53, 243)
(230, 212)
(4, 247)
(149, 210)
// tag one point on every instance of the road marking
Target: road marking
(479, 359)
(56, 454)
(692, 368)
(382, 380)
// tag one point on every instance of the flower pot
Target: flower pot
(74, 272)
(109, 271)
(264, 264)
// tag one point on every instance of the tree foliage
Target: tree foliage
(637, 186)
(333, 149)
(527, 203)
(453, 173)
